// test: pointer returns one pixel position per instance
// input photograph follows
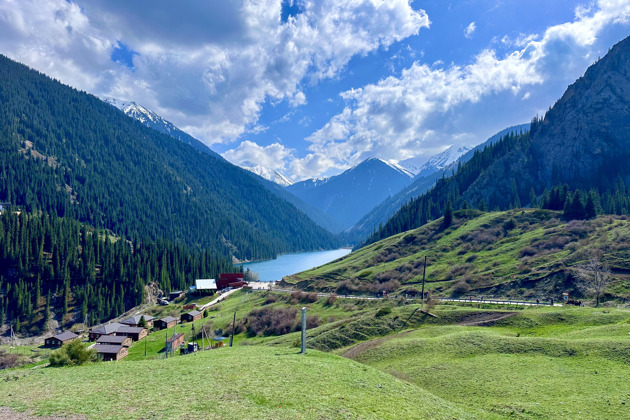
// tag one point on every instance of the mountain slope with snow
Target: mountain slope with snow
(156, 122)
(267, 173)
(350, 195)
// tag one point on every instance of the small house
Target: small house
(60, 339)
(136, 333)
(107, 329)
(191, 316)
(163, 323)
(174, 295)
(205, 286)
(115, 340)
(226, 278)
(174, 342)
(107, 352)
(134, 321)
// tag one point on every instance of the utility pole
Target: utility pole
(424, 273)
(233, 323)
(303, 330)
(145, 345)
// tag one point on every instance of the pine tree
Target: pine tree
(448, 216)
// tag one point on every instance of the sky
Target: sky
(313, 87)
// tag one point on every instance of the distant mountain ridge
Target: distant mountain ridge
(351, 194)
(433, 169)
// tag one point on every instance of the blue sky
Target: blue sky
(311, 88)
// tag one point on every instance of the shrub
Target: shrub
(73, 354)
(330, 300)
(312, 321)
(270, 298)
(527, 251)
(270, 321)
(460, 288)
(383, 311)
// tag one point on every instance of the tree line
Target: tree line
(50, 263)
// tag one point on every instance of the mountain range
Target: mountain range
(351, 194)
(68, 153)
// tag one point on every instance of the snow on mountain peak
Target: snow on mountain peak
(421, 166)
(267, 173)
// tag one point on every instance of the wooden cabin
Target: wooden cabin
(107, 329)
(115, 340)
(191, 316)
(134, 321)
(60, 339)
(174, 342)
(135, 333)
(163, 323)
(107, 352)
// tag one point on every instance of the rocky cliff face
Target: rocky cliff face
(583, 140)
(588, 129)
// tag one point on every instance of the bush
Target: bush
(270, 298)
(312, 321)
(383, 311)
(73, 354)
(460, 288)
(330, 300)
(270, 321)
(527, 251)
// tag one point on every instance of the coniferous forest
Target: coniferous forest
(50, 263)
(67, 153)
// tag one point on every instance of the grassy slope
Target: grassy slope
(241, 382)
(484, 251)
(542, 363)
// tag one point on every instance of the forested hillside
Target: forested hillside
(48, 263)
(581, 143)
(67, 153)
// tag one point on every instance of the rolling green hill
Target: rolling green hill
(524, 253)
(240, 382)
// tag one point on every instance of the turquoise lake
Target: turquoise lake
(284, 265)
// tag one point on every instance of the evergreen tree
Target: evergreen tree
(448, 216)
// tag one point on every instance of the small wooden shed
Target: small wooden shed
(174, 342)
(191, 316)
(60, 339)
(107, 352)
(163, 323)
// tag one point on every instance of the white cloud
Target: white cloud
(416, 112)
(275, 156)
(209, 66)
(470, 29)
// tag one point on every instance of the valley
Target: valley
(314, 210)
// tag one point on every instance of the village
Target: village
(112, 340)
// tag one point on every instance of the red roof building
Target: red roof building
(226, 278)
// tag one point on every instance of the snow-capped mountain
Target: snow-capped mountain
(267, 173)
(156, 122)
(348, 196)
(435, 163)
(414, 164)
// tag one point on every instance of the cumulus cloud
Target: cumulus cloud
(209, 66)
(470, 29)
(275, 156)
(416, 112)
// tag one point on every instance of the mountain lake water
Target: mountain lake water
(284, 265)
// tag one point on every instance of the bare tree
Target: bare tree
(593, 276)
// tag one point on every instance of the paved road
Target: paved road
(218, 299)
